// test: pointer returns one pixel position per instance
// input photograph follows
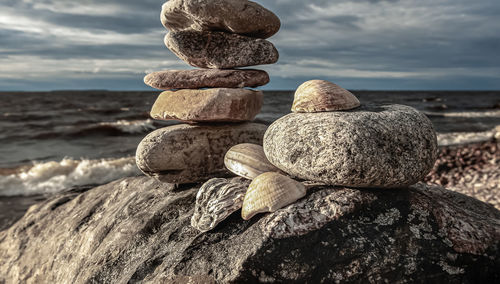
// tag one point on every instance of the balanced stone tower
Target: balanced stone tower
(213, 102)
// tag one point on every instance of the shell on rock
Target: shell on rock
(320, 96)
(248, 161)
(269, 192)
(216, 200)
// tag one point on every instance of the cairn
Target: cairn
(328, 139)
(214, 102)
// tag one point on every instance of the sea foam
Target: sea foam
(52, 177)
(471, 114)
(133, 127)
(460, 138)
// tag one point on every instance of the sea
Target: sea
(54, 141)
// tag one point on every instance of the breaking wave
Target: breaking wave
(52, 177)
(472, 114)
(132, 127)
(116, 128)
(460, 138)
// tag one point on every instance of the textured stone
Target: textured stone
(216, 200)
(206, 78)
(240, 17)
(193, 153)
(220, 50)
(214, 105)
(372, 146)
(137, 230)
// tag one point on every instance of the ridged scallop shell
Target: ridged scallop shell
(248, 161)
(216, 200)
(269, 192)
(320, 95)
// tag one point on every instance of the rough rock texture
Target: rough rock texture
(210, 105)
(240, 17)
(206, 78)
(193, 153)
(216, 200)
(371, 146)
(137, 230)
(220, 50)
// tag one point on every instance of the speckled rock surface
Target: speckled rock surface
(193, 153)
(240, 17)
(206, 78)
(216, 200)
(371, 146)
(220, 50)
(138, 230)
(208, 105)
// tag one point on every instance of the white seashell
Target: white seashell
(248, 161)
(269, 192)
(216, 200)
(320, 95)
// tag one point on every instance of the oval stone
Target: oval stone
(219, 50)
(193, 153)
(371, 146)
(240, 17)
(206, 78)
(210, 105)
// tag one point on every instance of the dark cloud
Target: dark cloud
(122, 24)
(382, 44)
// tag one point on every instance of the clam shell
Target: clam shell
(216, 200)
(269, 192)
(248, 161)
(320, 95)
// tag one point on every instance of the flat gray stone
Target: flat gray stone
(240, 17)
(193, 153)
(206, 78)
(219, 50)
(371, 146)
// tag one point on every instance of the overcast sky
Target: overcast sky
(358, 44)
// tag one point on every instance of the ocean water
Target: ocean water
(52, 141)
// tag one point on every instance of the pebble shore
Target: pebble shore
(471, 169)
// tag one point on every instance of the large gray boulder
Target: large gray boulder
(241, 17)
(371, 146)
(193, 153)
(138, 230)
(218, 50)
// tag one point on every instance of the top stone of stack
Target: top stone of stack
(233, 16)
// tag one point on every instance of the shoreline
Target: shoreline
(471, 169)
(13, 208)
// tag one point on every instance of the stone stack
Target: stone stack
(217, 109)
(329, 139)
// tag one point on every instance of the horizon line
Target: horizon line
(265, 90)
